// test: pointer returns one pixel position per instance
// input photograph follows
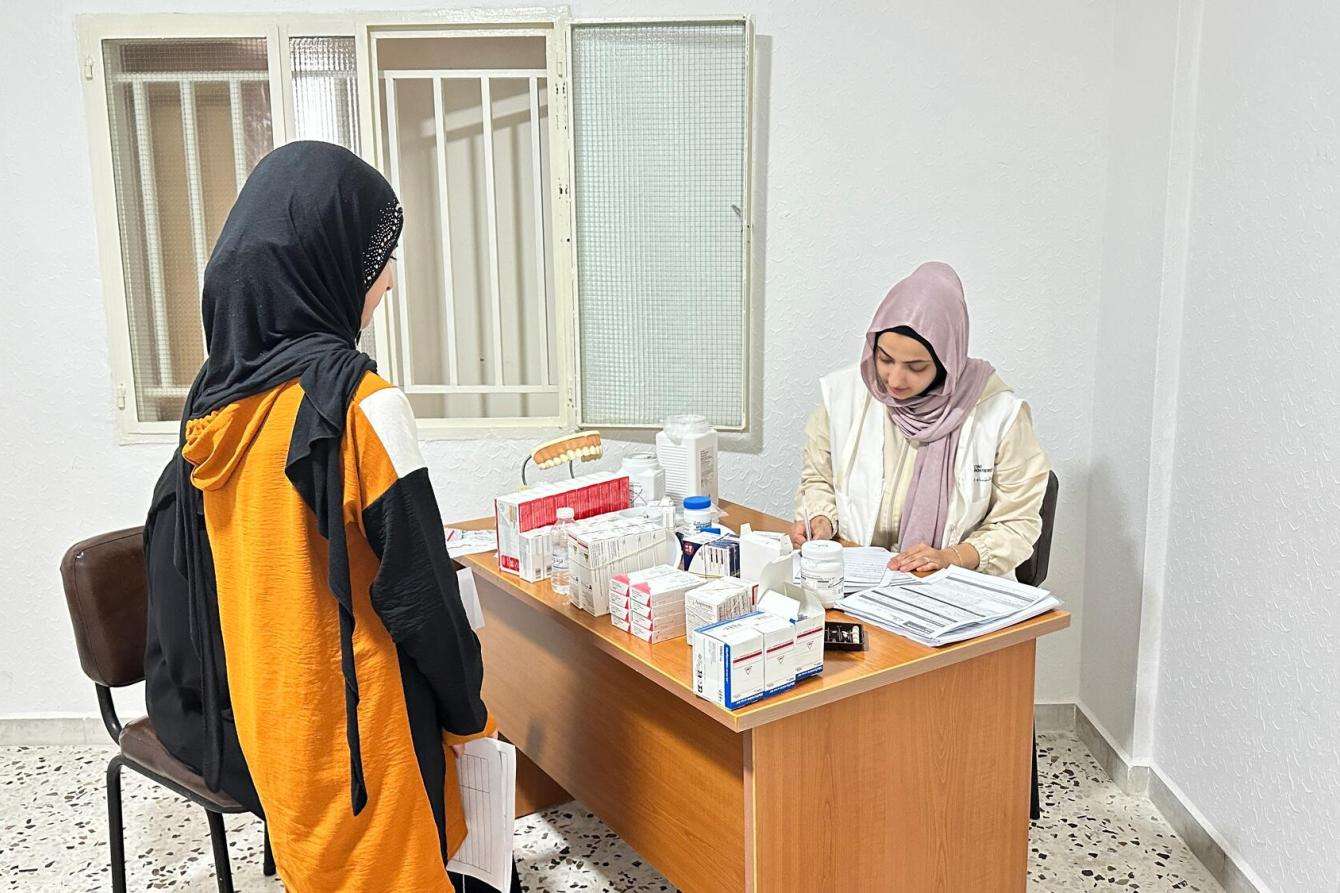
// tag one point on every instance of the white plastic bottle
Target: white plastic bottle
(558, 551)
(687, 449)
(821, 570)
(646, 478)
(699, 513)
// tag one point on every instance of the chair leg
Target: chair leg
(115, 827)
(222, 869)
(1035, 806)
(268, 865)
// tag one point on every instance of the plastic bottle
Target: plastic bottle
(699, 513)
(646, 478)
(687, 449)
(821, 570)
(558, 551)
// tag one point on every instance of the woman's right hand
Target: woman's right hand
(820, 529)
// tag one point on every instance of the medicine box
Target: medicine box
(533, 555)
(600, 548)
(527, 510)
(779, 595)
(619, 585)
(728, 662)
(721, 599)
(779, 652)
(710, 554)
(656, 605)
(758, 549)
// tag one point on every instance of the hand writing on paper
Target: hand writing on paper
(820, 529)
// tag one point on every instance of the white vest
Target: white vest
(856, 442)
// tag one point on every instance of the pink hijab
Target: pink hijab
(930, 302)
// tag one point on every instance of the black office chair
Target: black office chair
(1034, 572)
(106, 588)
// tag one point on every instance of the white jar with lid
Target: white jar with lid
(699, 513)
(821, 571)
(687, 449)
(646, 478)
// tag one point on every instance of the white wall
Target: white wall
(1248, 706)
(1126, 360)
(969, 132)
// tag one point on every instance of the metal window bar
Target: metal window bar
(491, 213)
(186, 83)
(438, 77)
(153, 244)
(194, 189)
(444, 217)
(402, 283)
(537, 182)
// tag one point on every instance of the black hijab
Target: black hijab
(311, 230)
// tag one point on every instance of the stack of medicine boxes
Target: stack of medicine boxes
(603, 547)
(523, 518)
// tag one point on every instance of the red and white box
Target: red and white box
(527, 510)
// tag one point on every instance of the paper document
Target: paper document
(487, 775)
(465, 582)
(948, 606)
(865, 567)
(470, 542)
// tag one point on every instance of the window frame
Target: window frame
(501, 22)
(278, 29)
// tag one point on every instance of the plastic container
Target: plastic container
(558, 551)
(687, 449)
(699, 514)
(821, 571)
(646, 478)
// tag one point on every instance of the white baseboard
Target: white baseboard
(63, 729)
(1227, 866)
(1054, 717)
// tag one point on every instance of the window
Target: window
(567, 259)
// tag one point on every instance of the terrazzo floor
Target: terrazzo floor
(53, 834)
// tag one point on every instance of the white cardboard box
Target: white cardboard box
(619, 584)
(527, 510)
(779, 652)
(600, 549)
(721, 599)
(728, 663)
(801, 608)
(758, 549)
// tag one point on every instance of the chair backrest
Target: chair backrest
(107, 591)
(1034, 570)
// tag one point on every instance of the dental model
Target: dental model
(580, 446)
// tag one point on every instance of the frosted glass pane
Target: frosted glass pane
(659, 125)
(189, 120)
(325, 101)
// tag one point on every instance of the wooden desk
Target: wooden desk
(899, 768)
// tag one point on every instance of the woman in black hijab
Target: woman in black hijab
(308, 651)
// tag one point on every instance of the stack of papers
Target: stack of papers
(948, 606)
(487, 775)
(470, 542)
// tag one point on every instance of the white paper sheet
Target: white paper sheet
(465, 582)
(487, 774)
(470, 542)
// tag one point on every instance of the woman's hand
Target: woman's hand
(820, 529)
(922, 558)
(459, 749)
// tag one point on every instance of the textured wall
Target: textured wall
(1248, 715)
(971, 132)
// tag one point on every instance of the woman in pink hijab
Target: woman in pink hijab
(920, 448)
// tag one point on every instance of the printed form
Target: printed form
(487, 774)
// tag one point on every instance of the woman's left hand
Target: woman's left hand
(921, 558)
